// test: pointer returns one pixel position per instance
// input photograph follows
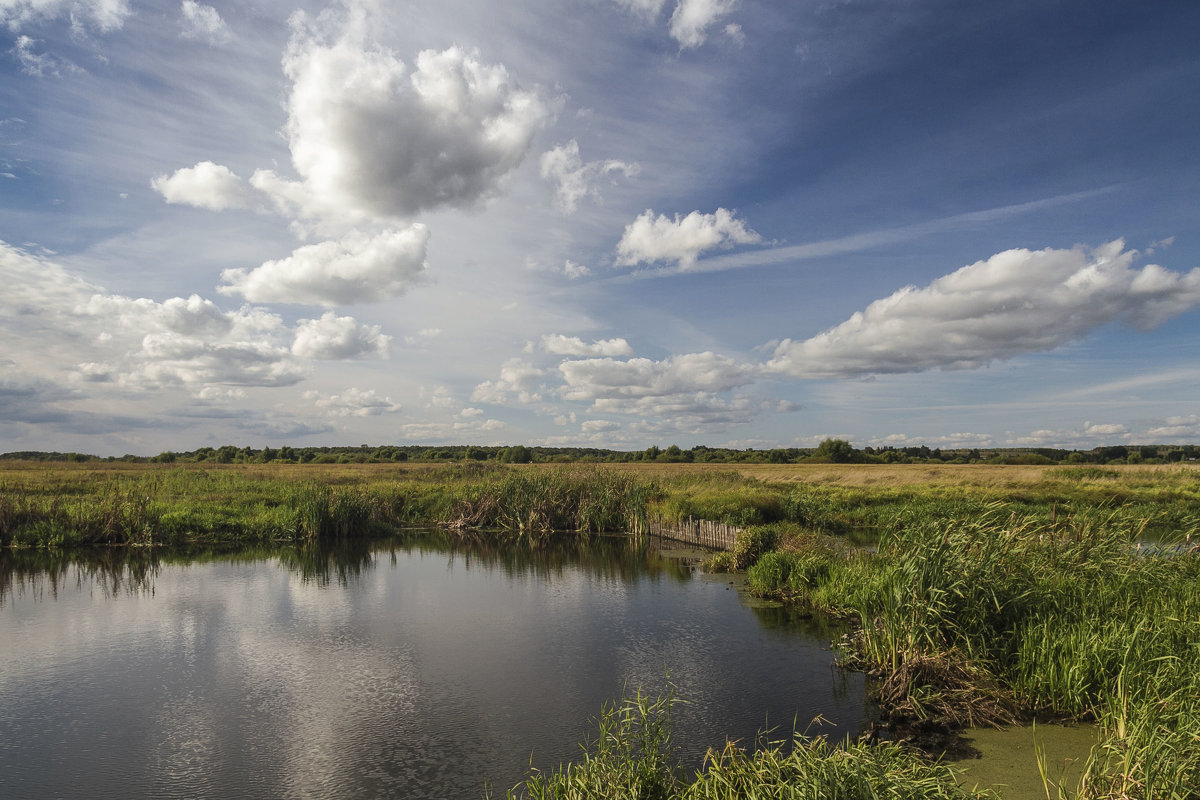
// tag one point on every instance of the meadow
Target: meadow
(991, 594)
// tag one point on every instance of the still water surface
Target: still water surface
(407, 668)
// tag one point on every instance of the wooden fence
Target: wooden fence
(699, 532)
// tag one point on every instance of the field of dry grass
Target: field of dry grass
(917, 475)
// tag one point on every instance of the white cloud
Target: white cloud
(692, 18)
(648, 239)
(517, 377)
(568, 269)
(1178, 428)
(57, 321)
(596, 378)
(353, 402)
(647, 8)
(186, 342)
(694, 413)
(338, 338)
(1089, 435)
(203, 22)
(735, 34)
(39, 65)
(206, 185)
(575, 271)
(356, 269)
(423, 337)
(103, 15)
(558, 344)
(460, 431)
(1017, 301)
(574, 179)
(372, 139)
(953, 441)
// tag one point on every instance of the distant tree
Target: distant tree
(518, 454)
(838, 451)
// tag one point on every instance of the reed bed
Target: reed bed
(178, 505)
(979, 619)
(631, 756)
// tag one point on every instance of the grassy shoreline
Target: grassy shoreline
(67, 504)
(996, 593)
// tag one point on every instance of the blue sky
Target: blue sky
(609, 223)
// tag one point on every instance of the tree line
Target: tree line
(837, 451)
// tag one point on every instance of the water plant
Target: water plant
(630, 756)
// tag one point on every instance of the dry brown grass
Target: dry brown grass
(882, 476)
(902, 475)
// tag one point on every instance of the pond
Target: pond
(414, 667)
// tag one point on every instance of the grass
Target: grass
(980, 618)
(58, 507)
(630, 757)
(995, 592)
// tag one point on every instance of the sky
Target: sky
(598, 223)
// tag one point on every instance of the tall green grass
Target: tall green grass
(631, 757)
(173, 506)
(975, 618)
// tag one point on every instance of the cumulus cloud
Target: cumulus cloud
(1178, 428)
(1087, 435)
(189, 342)
(951, 441)
(558, 344)
(1017, 301)
(356, 269)
(691, 413)
(202, 22)
(353, 402)
(51, 316)
(692, 19)
(371, 137)
(338, 338)
(648, 238)
(574, 179)
(597, 378)
(206, 185)
(517, 378)
(102, 15)
(461, 431)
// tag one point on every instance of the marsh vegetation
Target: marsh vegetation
(991, 595)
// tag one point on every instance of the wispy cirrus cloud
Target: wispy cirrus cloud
(575, 180)
(859, 242)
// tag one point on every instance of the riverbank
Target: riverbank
(992, 596)
(64, 504)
